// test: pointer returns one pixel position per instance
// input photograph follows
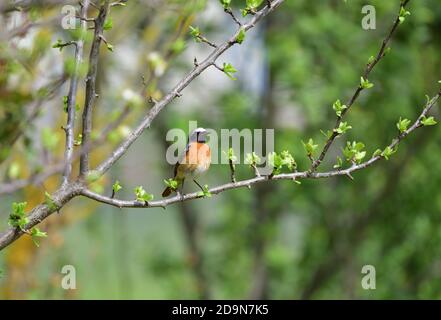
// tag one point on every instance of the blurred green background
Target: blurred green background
(278, 240)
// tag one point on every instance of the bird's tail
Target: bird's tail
(167, 192)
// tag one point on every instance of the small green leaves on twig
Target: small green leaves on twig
(279, 161)
(229, 70)
(342, 128)
(403, 14)
(310, 148)
(205, 192)
(171, 183)
(252, 159)
(35, 234)
(18, 218)
(403, 124)
(377, 153)
(195, 33)
(339, 163)
(60, 44)
(241, 36)
(388, 152)
(365, 84)
(49, 201)
(430, 121)
(353, 151)
(251, 8)
(232, 159)
(142, 195)
(226, 4)
(115, 188)
(338, 108)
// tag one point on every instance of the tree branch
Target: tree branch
(91, 87)
(176, 91)
(73, 189)
(296, 176)
(369, 67)
(72, 97)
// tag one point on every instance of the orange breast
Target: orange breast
(196, 160)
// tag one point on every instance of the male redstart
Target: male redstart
(194, 161)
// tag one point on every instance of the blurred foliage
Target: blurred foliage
(281, 240)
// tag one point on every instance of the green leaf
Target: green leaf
(365, 84)
(252, 159)
(253, 4)
(342, 128)
(288, 160)
(275, 161)
(310, 147)
(59, 44)
(116, 186)
(339, 163)
(35, 234)
(354, 151)
(18, 217)
(195, 33)
(49, 201)
(403, 14)
(142, 195)
(338, 107)
(377, 153)
(371, 59)
(430, 121)
(388, 152)
(231, 155)
(241, 36)
(205, 192)
(108, 24)
(225, 3)
(403, 124)
(171, 183)
(229, 70)
(109, 47)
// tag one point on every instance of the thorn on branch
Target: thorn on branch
(195, 62)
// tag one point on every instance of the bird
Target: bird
(195, 160)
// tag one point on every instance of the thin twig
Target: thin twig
(368, 69)
(230, 12)
(72, 98)
(91, 87)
